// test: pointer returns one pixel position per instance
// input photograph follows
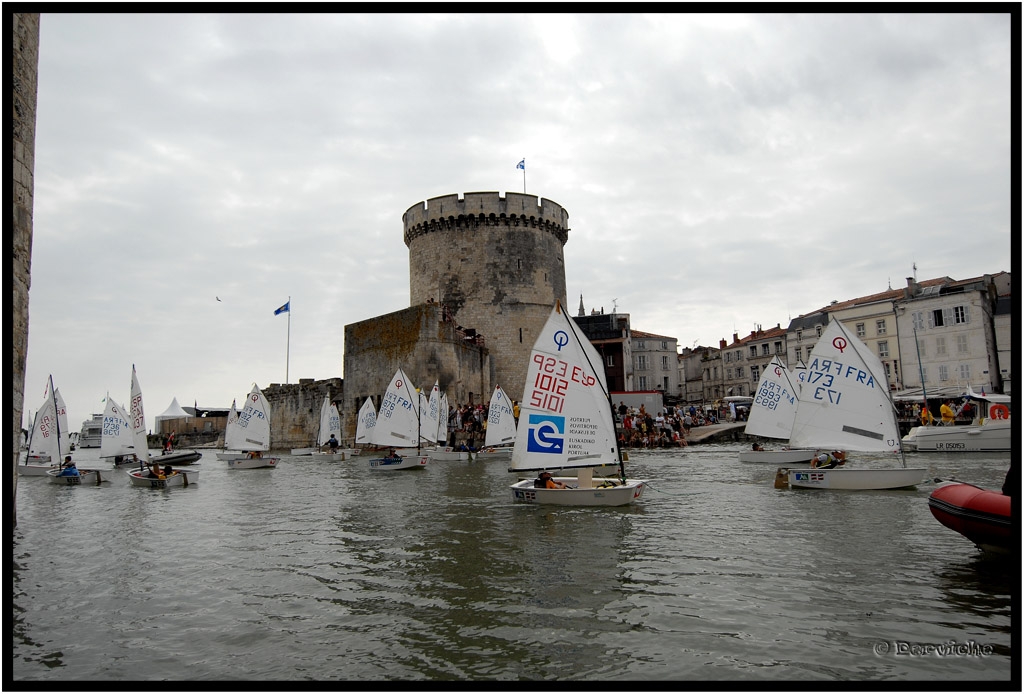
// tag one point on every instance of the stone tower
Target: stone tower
(496, 263)
(24, 73)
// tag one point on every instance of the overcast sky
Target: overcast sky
(719, 172)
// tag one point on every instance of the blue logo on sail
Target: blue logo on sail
(546, 434)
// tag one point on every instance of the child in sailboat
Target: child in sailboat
(546, 481)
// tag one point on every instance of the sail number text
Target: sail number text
(552, 382)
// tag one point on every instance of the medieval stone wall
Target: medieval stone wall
(24, 56)
(420, 342)
(496, 263)
(295, 410)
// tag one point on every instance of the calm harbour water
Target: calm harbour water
(328, 571)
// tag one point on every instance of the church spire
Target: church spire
(582, 312)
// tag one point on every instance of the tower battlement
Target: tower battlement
(486, 209)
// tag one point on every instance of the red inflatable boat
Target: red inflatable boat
(980, 515)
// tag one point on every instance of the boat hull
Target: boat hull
(499, 453)
(854, 479)
(593, 495)
(993, 435)
(180, 478)
(83, 477)
(178, 458)
(448, 455)
(252, 463)
(980, 515)
(785, 456)
(408, 462)
(231, 455)
(33, 470)
(302, 451)
(325, 457)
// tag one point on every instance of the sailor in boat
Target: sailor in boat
(69, 468)
(156, 473)
(826, 461)
(333, 444)
(545, 481)
(947, 413)
(756, 447)
(255, 454)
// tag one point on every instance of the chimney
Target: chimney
(722, 344)
(912, 288)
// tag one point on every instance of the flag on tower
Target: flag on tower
(283, 309)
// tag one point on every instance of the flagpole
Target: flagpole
(524, 178)
(288, 347)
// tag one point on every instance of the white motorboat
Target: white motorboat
(990, 430)
(91, 435)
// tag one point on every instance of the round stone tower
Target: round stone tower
(496, 263)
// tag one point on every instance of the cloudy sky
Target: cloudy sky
(720, 171)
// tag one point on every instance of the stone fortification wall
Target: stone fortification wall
(496, 263)
(419, 341)
(24, 57)
(295, 410)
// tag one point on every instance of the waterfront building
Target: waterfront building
(947, 335)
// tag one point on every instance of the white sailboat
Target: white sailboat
(398, 427)
(330, 424)
(430, 432)
(37, 457)
(566, 422)
(233, 438)
(116, 438)
(771, 416)
(500, 436)
(366, 420)
(143, 476)
(990, 431)
(844, 403)
(251, 433)
(56, 444)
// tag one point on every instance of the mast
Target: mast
(608, 395)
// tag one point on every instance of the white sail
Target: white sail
(365, 423)
(254, 423)
(774, 407)
(330, 422)
(36, 442)
(565, 418)
(501, 423)
(62, 420)
(442, 419)
(233, 437)
(138, 417)
(47, 438)
(117, 437)
(429, 416)
(844, 400)
(398, 418)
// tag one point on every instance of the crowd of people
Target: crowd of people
(949, 412)
(637, 427)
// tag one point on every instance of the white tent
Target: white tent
(173, 411)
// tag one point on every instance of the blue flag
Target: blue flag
(283, 309)
(521, 165)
